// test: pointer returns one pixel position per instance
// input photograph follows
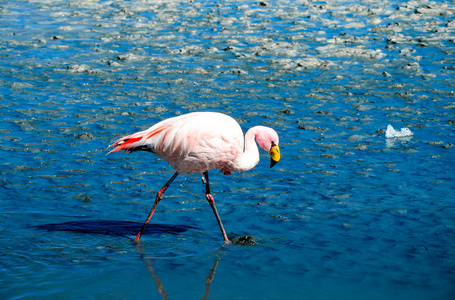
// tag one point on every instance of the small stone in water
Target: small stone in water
(85, 136)
(247, 240)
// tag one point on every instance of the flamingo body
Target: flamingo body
(199, 142)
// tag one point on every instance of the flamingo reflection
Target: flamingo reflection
(159, 285)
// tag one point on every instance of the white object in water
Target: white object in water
(392, 133)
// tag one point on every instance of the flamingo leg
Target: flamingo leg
(211, 201)
(159, 196)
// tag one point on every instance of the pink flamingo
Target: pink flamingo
(199, 142)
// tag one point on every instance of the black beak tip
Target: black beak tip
(272, 163)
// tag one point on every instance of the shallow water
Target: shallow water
(346, 214)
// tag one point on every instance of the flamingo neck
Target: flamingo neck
(250, 156)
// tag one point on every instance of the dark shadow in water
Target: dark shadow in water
(111, 227)
(159, 285)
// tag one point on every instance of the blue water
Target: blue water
(346, 214)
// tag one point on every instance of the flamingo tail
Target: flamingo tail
(127, 143)
(137, 141)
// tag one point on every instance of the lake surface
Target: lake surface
(346, 214)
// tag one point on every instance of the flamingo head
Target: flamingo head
(268, 140)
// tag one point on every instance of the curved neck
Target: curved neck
(250, 156)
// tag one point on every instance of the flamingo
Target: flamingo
(199, 142)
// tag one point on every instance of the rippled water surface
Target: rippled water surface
(346, 214)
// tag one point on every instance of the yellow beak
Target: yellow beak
(274, 155)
